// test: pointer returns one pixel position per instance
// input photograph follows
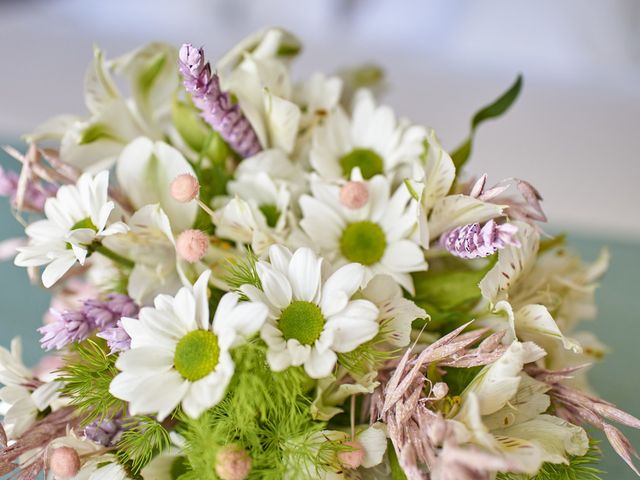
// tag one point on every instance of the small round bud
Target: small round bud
(184, 188)
(192, 245)
(439, 390)
(233, 463)
(352, 458)
(64, 463)
(354, 195)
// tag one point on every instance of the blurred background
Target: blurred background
(574, 133)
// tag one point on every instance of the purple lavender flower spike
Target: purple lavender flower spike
(105, 432)
(122, 305)
(217, 108)
(68, 328)
(99, 314)
(118, 340)
(471, 241)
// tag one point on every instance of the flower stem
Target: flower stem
(110, 254)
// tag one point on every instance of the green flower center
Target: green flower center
(303, 321)
(271, 213)
(85, 223)
(370, 162)
(363, 242)
(197, 354)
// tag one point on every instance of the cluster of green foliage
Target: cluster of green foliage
(579, 468)
(265, 412)
(142, 439)
(87, 372)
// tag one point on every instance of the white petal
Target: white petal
(354, 325)
(304, 275)
(374, 441)
(340, 287)
(56, 269)
(280, 257)
(279, 360)
(145, 361)
(320, 364)
(275, 285)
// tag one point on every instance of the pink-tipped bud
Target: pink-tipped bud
(233, 463)
(354, 195)
(184, 188)
(352, 458)
(64, 463)
(192, 245)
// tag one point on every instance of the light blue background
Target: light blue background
(618, 325)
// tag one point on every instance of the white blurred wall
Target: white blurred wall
(574, 132)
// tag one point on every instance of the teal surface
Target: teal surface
(617, 378)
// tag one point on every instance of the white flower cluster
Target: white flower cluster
(322, 249)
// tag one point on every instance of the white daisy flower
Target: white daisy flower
(317, 96)
(177, 357)
(311, 318)
(378, 234)
(77, 217)
(373, 140)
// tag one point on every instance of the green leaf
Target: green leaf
(493, 110)
(396, 470)
(458, 378)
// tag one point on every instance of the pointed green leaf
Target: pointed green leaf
(493, 110)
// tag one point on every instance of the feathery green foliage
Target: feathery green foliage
(142, 439)
(265, 412)
(243, 272)
(86, 376)
(579, 468)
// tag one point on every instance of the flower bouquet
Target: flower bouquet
(256, 278)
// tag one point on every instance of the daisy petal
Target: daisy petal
(275, 285)
(341, 286)
(304, 274)
(320, 364)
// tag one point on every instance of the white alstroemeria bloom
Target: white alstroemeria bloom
(378, 235)
(372, 140)
(317, 96)
(150, 241)
(93, 143)
(439, 211)
(77, 217)
(522, 288)
(245, 223)
(177, 357)
(20, 399)
(503, 409)
(145, 170)
(311, 318)
(396, 312)
(261, 83)
(163, 465)
(269, 199)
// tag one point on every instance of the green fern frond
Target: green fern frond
(579, 468)
(265, 412)
(86, 376)
(243, 272)
(142, 439)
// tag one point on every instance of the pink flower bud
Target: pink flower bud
(192, 245)
(184, 188)
(64, 463)
(353, 458)
(233, 463)
(354, 195)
